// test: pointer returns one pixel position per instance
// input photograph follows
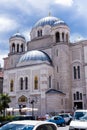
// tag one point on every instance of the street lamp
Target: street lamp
(32, 101)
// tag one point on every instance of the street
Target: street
(64, 128)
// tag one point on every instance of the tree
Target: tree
(4, 102)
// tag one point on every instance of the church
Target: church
(48, 72)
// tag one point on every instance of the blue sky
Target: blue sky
(21, 15)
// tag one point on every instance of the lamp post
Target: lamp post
(32, 101)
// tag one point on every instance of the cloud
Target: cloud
(27, 34)
(75, 37)
(7, 24)
(1, 58)
(64, 2)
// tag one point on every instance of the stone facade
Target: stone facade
(54, 83)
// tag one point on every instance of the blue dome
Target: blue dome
(50, 20)
(35, 56)
(18, 35)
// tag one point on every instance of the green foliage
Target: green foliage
(4, 102)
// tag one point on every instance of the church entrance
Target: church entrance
(78, 105)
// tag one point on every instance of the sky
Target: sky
(21, 15)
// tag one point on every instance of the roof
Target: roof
(35, 57)
(50, 20)
(17, 35)
(54, 91)
(30, 122)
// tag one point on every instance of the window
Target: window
(26, 83)
(39, 33)
(36, 82)
(49, 81)
(21, 83)
(63, 36)
(74, 96)
(13, 47)
(57, 37)
(22, 48)
(74, 69)
(78, 69)
(11, 85)
(77, 96)
(17, 47)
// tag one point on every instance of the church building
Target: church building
(48, 72)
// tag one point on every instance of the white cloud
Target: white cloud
(1, 59)
(7, 24)
(64, 2)
(76, 37)
(27, 34)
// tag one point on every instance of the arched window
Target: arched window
(39, 33)
(57, 37)
(36, 82)
(77, 94)
(74, 70)
(26, 82)
(63, 36)
(11, 85)
(17, 47)
(74, 95)
(78, 68)
(49, 81)
(21, 83)
(22, 48)
(80, 96)
(13, 47)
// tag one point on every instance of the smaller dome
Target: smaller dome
(60, 22)
(34, 57)
(18, 35)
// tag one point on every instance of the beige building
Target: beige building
(48, 71)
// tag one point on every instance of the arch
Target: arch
(78, 69)
(57, 35)
(11, 85)
(26, 82)
(17, 47)
(13, 47)
(74, 71)
(36, 82)
(22, 99)
(21, 83)
(77, 95)
(22, 49)
(39, 33)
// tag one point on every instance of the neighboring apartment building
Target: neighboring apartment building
(48, 68)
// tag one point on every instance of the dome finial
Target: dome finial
(49, 13)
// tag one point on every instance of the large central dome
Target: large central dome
(50, 20)
(34, 57)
